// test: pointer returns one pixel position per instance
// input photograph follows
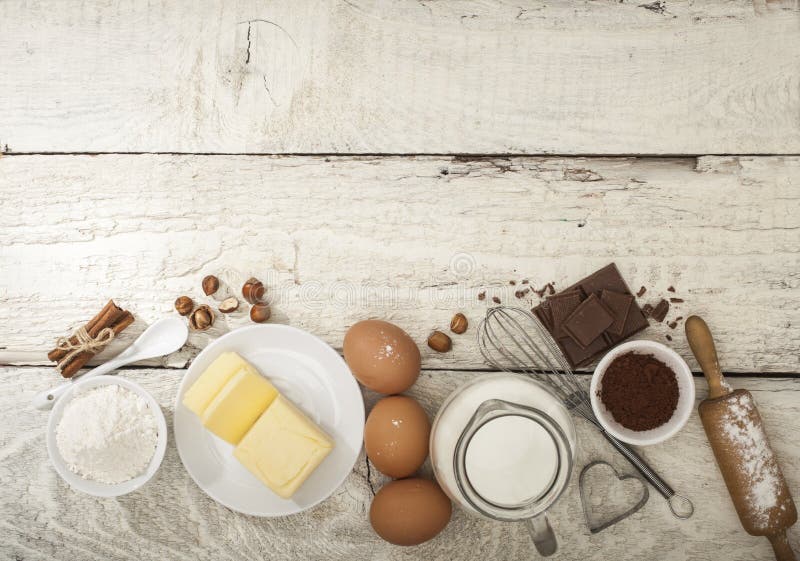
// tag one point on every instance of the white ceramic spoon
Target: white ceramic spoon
(163, 337)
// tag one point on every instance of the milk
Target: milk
(510, 459)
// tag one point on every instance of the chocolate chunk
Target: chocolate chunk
(647, 310)
(544, 314)
(482, 295)
(660, 311)
(669, 337)
(641, 292)
(579, 356)
(671, 289)
(607, 278)
(676, 300)
(561, 308)
(618, 304)
(512, 283)
(673, 324)
(495, 299)
(525, 281)
(589, 320)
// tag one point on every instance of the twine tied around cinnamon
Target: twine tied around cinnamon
(85, 342)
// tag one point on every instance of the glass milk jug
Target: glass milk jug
(502, 446)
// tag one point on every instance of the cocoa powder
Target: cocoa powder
(639, 391)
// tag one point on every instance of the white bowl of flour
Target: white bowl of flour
(106, 436)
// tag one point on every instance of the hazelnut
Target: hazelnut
(229, 305)
(202, 318)
(184, 305)
(210, 285)
(260, 313)
(440, 342)
(459, 324)
(253, 290)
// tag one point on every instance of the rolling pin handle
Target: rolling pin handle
(702, 344)
(780, 545)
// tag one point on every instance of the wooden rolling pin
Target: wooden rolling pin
(748, 464)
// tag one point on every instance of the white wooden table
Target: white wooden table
(392, 159)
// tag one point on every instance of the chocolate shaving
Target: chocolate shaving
(641, 292)
(512, 282)
(676, 300)
(495, 299)
(660, 311)
(669, 337)
(482, 295)
(673, 324)
(671, 289)
(647, 310)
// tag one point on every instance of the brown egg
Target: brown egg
(409, 511)
(382, 356)
(396, 436)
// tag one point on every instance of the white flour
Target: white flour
(760, 466)
(107, 434)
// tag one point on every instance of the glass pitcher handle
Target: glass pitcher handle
(542, 535)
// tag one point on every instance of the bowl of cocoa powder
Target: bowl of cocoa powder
(642, 392)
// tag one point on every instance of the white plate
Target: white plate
(95, 487)
(315, 378)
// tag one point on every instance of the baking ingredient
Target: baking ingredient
(202, 318)
(660, 311)
(396, 436)
(213, 378)
(409, 511)
(440, 342)
(457, 412)
(639, 391)
(618, 304)
(229, 305)
(259, 313)
(184, 305)
(107, 434)
(511, 460)
(238, 404)
(588, 322)
(283, 448)
(210, 285)
(459, 324)
(253, 290)
(72, 353)
(631, 317)
(381, 356)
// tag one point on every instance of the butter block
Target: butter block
(238, 404)
(211, 381)
(283, 448)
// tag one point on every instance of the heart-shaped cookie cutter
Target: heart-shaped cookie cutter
(623, 477)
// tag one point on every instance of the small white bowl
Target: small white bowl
(685, 397)
(94, 487)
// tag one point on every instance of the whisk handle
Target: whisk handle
(680, 506)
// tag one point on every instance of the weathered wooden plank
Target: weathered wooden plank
(532, 77)
(40, 518)
(408, 239)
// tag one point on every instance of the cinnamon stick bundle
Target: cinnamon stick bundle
(69, 361)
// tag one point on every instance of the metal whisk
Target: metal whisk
(513, 340)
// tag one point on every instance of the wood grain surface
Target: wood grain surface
(411, 240)
(171, 518)
(355, 76)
